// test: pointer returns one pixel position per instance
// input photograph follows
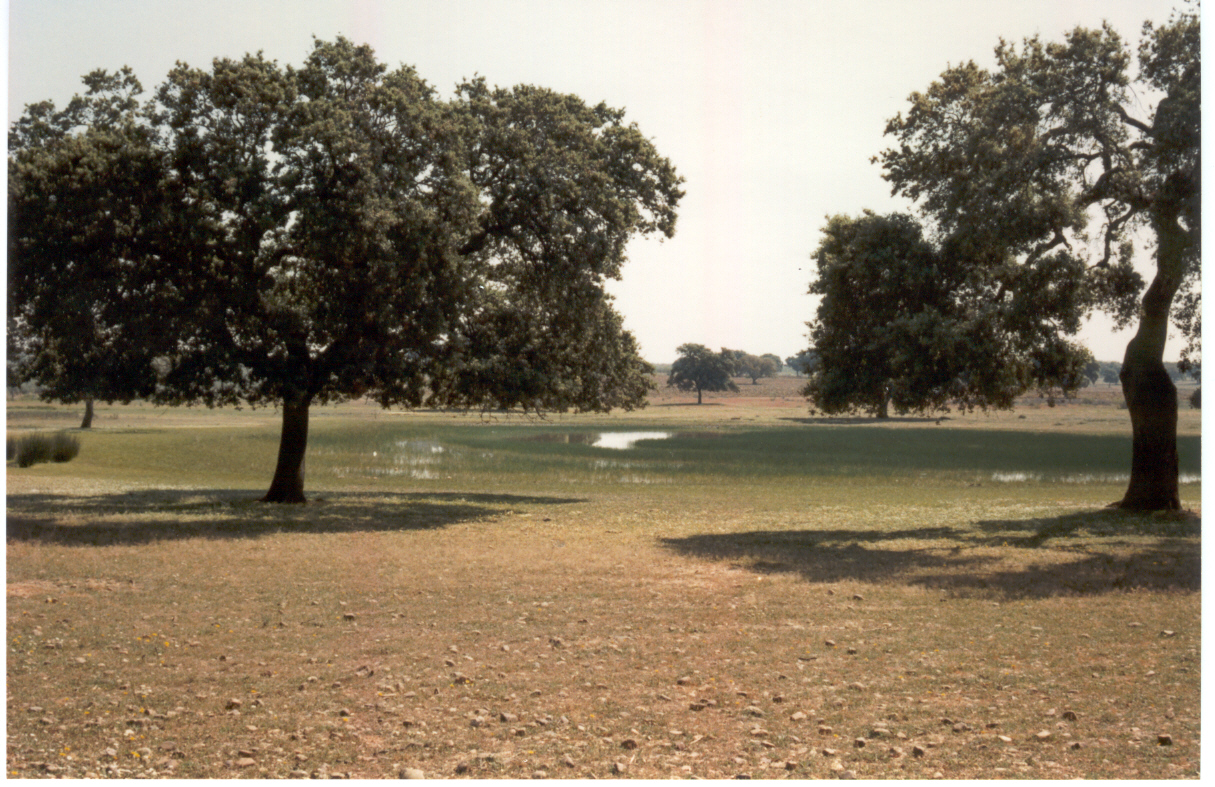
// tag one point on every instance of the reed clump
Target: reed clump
(38, 448)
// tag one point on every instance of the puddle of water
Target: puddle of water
(622, 441)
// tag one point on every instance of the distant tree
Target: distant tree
(1013, 164)
(756, 366)
(735, 358)
(804, 362)
(777, 364)
(336, 231)
(1091, 371)
(1110, 371)
(700, 369)
(1183, 371)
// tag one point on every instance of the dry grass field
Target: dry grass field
(763, 593)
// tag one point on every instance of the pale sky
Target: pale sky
(770, 110)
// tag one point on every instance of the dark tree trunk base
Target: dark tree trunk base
(1151, 399)
(288, 483)
(1145, 503)
(87, 421)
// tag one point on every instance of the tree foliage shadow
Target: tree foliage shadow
(1094, 561)
(143, 517)
(1105, 523)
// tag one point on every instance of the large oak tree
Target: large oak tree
(1062, 149)
(338, 231)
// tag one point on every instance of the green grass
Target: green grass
(345, 452)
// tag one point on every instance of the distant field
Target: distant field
(753, 591)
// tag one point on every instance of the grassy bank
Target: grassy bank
(761, 593)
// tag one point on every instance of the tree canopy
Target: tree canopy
(1037, 173)
(336, 231)
(82, 207)
(700, 369)
(756, 366)
(804, 362)
(902, 323)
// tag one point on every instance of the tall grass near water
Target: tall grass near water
(538, 454)
(35, 449)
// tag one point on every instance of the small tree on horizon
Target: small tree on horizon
(700, 369)
(756, 366)
(804, 362)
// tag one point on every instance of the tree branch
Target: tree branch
(1130, 121)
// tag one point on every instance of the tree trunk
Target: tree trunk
(288, 483)
(884, 409)
(698, 396)
(87, 422)
(1151, 397)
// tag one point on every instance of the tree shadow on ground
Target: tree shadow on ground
(991, 561)
(142, 517)
(1105, 523)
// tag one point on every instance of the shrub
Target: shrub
(1196, 399)
(64, 447)
(33, 449)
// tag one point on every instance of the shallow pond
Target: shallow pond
(619, 441)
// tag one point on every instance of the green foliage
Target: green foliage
(84, 205)
(902, 323)
(756, 366)
(1038, 174)
(804, 362)
(700, 369)
(316, 234)
(38, 448)
(333, 231)
(1011, 163)
(777, 364)
(1092, 371)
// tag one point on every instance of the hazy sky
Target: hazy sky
(770, 110)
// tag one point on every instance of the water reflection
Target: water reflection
(1012, 477)
(620, 441)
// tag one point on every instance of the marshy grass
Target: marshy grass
(35, 449)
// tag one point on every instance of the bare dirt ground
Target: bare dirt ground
(738, 628)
